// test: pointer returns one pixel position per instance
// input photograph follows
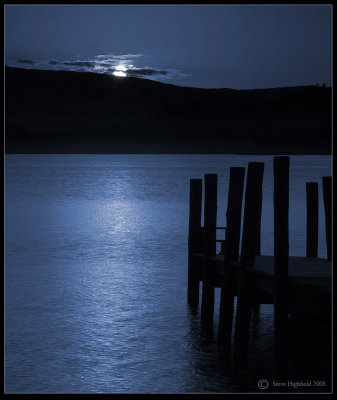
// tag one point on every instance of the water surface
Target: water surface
(96, 272)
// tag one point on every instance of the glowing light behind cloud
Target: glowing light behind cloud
(121, 68)
(119, 73)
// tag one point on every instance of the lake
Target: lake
(96, 272)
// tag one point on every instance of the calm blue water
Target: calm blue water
(96, 271)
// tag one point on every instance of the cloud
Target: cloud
(118, 57)
(88, 64)
(146, 72)
(122, 64)
(25, 61)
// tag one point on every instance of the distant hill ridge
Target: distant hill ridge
(80, 112)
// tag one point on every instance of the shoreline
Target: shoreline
(53, 112)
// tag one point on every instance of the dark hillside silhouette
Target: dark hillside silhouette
(73, 112)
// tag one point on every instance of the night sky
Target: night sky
(219, 46)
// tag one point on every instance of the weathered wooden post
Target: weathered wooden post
(281, 254)
(312, 219)
(210, 212)
(327, 183)
(231, 251)
(194, 240)
(252, 213)
(258, 228)
(247, 258)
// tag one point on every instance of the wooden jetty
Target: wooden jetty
(298, 287)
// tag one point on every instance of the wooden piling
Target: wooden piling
(247, 258)
(233, 214)
(210, 212)
(281, 254)
(252, 212)
(194, 240)
(327, 183)
(312, 219)
(259, 214)
(231, 253)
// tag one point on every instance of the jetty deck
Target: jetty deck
(310, 271)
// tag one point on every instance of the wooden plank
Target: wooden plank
(297, 266)
(303, 271)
